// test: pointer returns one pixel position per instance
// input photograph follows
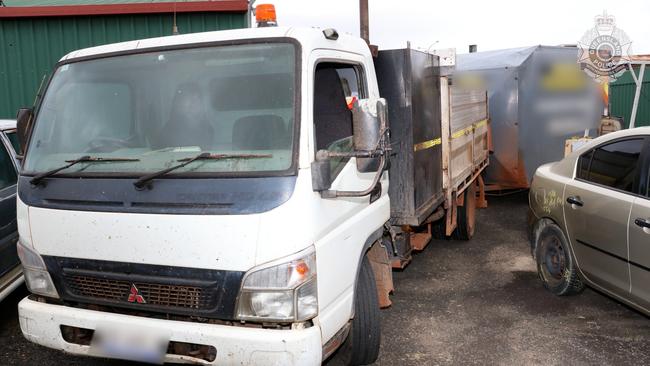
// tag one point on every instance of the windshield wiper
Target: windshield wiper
(142, 182)
(84, 159)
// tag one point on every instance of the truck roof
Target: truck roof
(309, 38)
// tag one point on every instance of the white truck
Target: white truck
(236, 197)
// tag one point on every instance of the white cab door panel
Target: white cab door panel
(346, 223)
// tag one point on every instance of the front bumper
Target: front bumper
(41, 324)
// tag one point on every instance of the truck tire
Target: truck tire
(466, 215)
(556, 266)
(439, 229)
(361, 347)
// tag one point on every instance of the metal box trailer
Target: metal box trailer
(440, 146)
(533, 108)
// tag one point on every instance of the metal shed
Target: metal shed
(35, 34)
(621, 99)
(530, 120)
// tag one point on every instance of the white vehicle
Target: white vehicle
(223, 197)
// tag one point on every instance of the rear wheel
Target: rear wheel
(555, 264)
(361, 347)
(466, 218)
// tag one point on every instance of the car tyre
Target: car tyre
(361, 347)
(556, 265)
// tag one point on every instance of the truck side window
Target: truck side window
(614, 165)
(7, 171)
(336, 86)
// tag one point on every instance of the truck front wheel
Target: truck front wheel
(361, 347)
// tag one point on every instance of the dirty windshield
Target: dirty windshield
(166, 106)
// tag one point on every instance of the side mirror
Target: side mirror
(24, 122)
(321, 179)
(369, 122)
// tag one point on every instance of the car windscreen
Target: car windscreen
(165, 106)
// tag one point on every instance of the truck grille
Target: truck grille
(167, 290)
(188, 297)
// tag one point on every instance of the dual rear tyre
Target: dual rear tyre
(465, 219)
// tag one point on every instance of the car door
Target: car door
(640, 239)
(8, 234)
(11, 138)
(598, 202)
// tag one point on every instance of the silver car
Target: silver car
(590, 219)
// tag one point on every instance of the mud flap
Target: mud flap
(381, 266)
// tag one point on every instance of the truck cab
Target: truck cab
(171, 189)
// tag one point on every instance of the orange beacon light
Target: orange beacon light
(265, 15)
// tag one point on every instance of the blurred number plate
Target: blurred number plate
(134, 343)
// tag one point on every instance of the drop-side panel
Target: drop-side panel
(468, 135)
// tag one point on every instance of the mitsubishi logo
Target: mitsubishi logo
(135, 296)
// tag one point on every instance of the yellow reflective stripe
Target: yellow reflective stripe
(437, 141)
(427, 144)
(468, 130)
(480, 124)
(463, 132)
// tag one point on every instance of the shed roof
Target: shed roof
(54, 8)
(499, 59)
(511, 57)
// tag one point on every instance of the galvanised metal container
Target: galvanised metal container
(538, 98)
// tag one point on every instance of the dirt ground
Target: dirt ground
(461, 303)
(481, 302)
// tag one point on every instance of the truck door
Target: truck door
(345, 223)
(8, 235)
(640, 239)
(597, 208)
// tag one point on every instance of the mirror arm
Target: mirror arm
(357, 154)
(335, 194)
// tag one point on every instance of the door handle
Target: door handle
(643, 223)
(574, 200)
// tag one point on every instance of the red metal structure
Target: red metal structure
(127, 8)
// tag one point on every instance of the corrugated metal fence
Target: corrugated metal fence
(29, 47)
(621, 97)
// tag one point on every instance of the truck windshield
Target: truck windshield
(161, 107)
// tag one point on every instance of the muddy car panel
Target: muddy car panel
(606, 229)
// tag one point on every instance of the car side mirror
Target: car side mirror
(321, 179)
(369, 123)
(24, 122)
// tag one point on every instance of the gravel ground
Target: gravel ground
(476, 302)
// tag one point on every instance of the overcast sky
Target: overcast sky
(489, 24)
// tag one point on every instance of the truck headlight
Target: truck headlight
(37, 278)
(281, 291)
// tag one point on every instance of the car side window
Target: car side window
(336, 87)
(7, 171)
(613, 165)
